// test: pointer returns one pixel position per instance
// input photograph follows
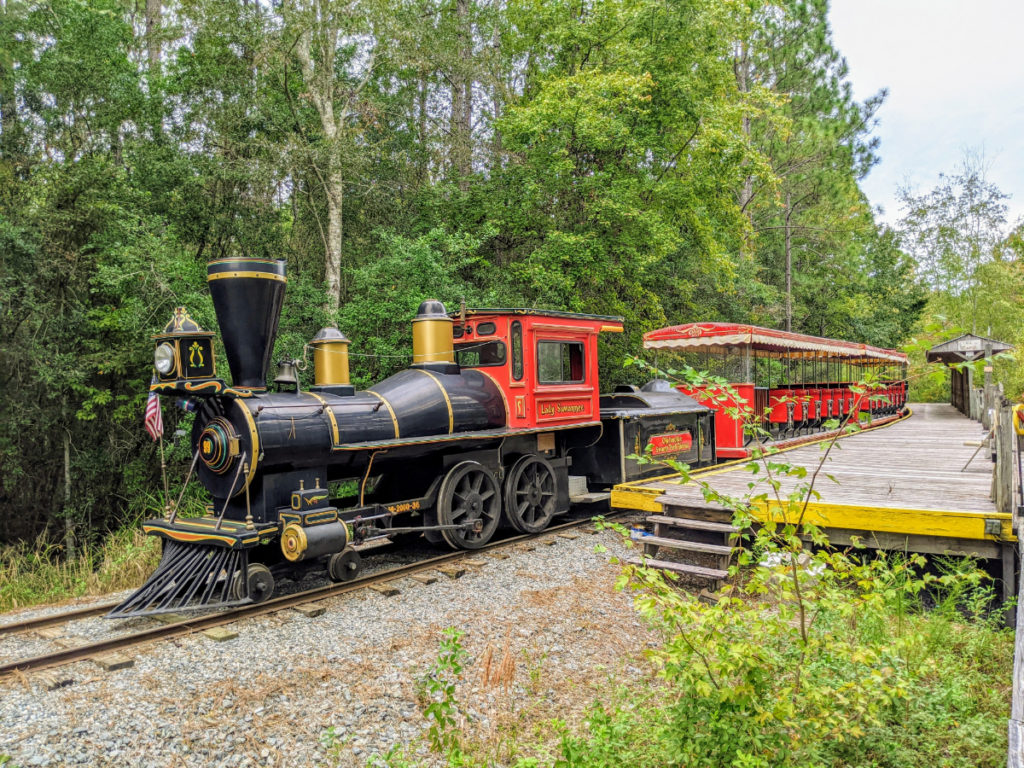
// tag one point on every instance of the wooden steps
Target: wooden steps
(696, 525)
(690, 538)
(687, 568)
(682, 544)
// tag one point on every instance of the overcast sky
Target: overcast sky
(955, 75)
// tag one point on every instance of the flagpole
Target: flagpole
(163, 472)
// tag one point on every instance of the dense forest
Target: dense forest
(663, 161)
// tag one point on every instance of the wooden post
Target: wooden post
(989, 399)
(1004, 460)
(1015, 754)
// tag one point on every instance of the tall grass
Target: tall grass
(34, 573)
(31, 574)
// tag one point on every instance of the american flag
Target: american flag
(154, 420)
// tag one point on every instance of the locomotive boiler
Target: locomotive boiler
(482, 430)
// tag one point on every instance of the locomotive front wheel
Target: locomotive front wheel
(344, 565)
(260, 580)
(469, 494)
(530, 497)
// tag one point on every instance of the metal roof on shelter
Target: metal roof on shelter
(716, 336)
(964, 348)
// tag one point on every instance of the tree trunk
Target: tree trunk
(332, 266)
(10, 129)
(319, 80)
(461, 118)
(421, 128)
(69, 523)
(741, 67)
(789, 269)
(153, 11)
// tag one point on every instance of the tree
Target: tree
(953, 231)
(338, 44)
(816, 136)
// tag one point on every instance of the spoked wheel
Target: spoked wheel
(260, 580)
(530, 498)
(344, 565)
(469, 494)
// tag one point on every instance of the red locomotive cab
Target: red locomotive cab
(544, 362)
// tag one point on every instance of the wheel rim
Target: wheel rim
(469, 494)
(530, 497)
(344, 566)
(261, 584)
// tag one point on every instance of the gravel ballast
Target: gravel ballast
(544, 631)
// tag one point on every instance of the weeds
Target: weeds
(39, 573)
(438, 686)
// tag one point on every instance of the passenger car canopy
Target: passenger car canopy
(719, 337)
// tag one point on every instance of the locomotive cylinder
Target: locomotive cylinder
(305, 543)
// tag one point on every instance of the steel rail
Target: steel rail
(200, 623)
(55, 618)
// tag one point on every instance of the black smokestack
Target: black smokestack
(247, 295)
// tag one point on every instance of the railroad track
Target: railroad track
(194, 624)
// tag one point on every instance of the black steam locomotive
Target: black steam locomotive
(498, 421)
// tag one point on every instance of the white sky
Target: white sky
(955, 74)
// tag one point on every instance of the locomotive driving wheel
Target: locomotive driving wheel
(260, 583)
(469, 495)
(530, 497)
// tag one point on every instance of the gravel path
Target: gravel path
(546, 623)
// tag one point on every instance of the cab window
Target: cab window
(517, 350)
(480, 354)
(560, 362)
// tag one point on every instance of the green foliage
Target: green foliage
(438, 686)
(386, 293)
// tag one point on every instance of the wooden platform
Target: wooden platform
(899, 487)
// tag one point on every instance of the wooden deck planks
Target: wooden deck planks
(885, 475)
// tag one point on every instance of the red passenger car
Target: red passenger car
(792, 384)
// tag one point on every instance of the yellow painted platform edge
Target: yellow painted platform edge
(943, 523)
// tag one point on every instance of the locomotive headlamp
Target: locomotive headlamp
(163, 358)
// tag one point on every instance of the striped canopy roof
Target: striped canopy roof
(717, 336)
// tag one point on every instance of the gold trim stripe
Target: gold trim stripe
(244, 259)
(504, 400)
(330, 415)
(447, 400)
(196, 537)
(394, 419)
(258, 275)
(324, 517)
(496, 434)
(254, 459)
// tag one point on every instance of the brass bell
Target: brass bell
(286, 374)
